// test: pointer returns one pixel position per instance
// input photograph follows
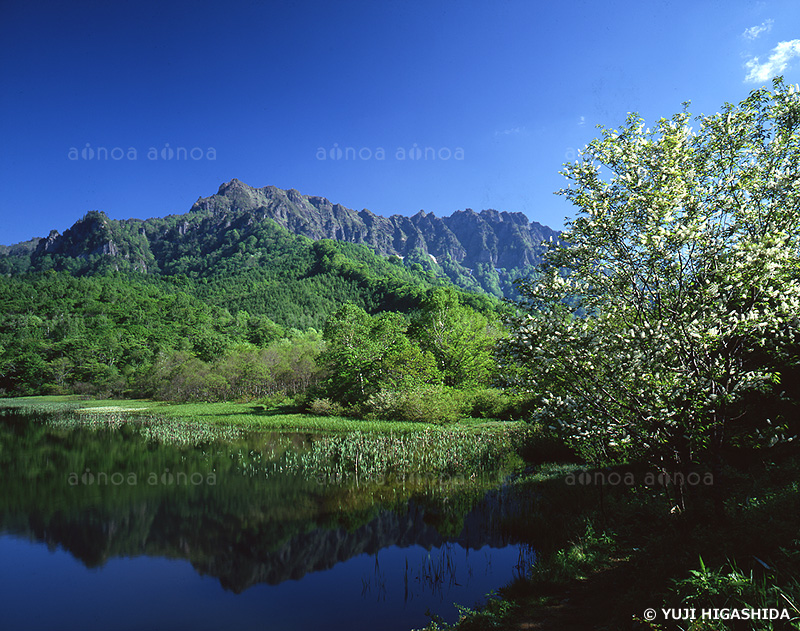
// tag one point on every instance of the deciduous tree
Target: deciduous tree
(641, 332)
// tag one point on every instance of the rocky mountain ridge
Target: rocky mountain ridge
(484, 250)
(502, 239)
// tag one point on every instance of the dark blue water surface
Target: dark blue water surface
(233, 545)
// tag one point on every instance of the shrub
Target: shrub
(430, 404)
(490, 403)
(325, 407)
(499, 404)
(281, 398)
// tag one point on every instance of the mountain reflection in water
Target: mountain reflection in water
(279, 546)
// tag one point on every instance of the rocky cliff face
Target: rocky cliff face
(92, 235)
(95, 235)
(499, 239)
(486, 250)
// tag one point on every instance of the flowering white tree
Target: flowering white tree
(640, 334)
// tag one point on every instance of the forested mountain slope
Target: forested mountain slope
(232, 296)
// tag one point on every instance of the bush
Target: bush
(325, 407)
(545, 445)
(83, 388)
(281, 398)
(499, 404)
(430, 404)
(53, 389)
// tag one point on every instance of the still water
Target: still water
(122, 527)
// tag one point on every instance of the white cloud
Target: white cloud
(582, 121)
(778, 60)
(754, 31)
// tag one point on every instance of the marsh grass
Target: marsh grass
(151, 427)
(250, 415)
(334, 450)
(435, 570)
(382, 454)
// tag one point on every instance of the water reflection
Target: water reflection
(108, 493)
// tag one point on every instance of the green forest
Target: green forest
(262, 318)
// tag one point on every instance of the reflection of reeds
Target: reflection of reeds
(528, 557)
(434, 572)
(377, 581)
(405, 583)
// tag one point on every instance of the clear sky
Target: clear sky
(495, 96)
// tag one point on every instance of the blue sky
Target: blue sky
(494, 96)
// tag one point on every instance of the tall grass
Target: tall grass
(386, 454)
(335, 449)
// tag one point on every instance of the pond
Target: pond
(134, 525)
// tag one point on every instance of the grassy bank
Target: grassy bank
(329, 446)
(250, 415)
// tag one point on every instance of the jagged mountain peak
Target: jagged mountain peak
(467, 239)
(486, 249)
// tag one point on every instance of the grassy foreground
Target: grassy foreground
(251, 415)
(621, 557)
